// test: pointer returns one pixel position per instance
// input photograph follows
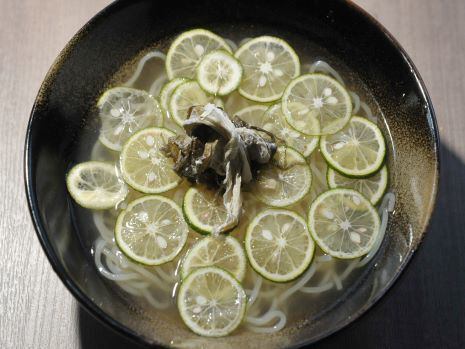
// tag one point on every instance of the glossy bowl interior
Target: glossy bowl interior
(124, 29)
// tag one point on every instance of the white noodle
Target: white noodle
(243, 41)
(317, 173)
(140, 66)
(170, 278)
(391, 201)
(138, 280)
(302, 281)
(324, 258)
(255, 290)
(368, 113)
(265, 319)
(155, 302)
(356, 101)
(352, 265)
(119, 262)
(231, 44)
(317, 289)
(99, 246)
(157, 85)
(323, 67)
(126, 287)
(132, 278)
(154, 279)
(337, 280)
(102, 228)
(387, 205)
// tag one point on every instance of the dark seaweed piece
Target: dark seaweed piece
(219, 150)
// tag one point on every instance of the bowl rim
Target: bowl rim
(92, 308)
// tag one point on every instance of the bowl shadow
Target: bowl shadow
(422, 301)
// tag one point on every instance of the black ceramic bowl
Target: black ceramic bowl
(335, 30)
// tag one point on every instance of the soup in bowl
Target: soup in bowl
(237, 178)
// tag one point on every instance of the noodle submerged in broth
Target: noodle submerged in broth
(224, 171)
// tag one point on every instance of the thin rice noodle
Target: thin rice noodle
(138, 281)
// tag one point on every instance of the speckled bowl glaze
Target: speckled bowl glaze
(126, 28)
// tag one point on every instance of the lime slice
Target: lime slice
(144, 166)
(285, 181)
(151, 230)
(123, 112)
(204, 209)
(219, 73)
(224, 252)
(278, 245)
(273, 120)
(316, 104)
(372, 187)
(343, 223)
(357, 150)
(96, 185)
(186, 95)
(167, 91)
(211, 302)
(269, 65)
(187, 50)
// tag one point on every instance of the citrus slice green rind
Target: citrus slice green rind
(343, 223)
(211, 302)
(144, 165)
(285, 181)
(224, 252)
(372, 187)
(204, 209)
(124, 111)
(96, 185)
(269, 64)
(219, 73)
(358, 150)
(188, 49)
(151, 230)
(278, 245)
(316, 104)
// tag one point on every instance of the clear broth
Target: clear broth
(297, 315)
